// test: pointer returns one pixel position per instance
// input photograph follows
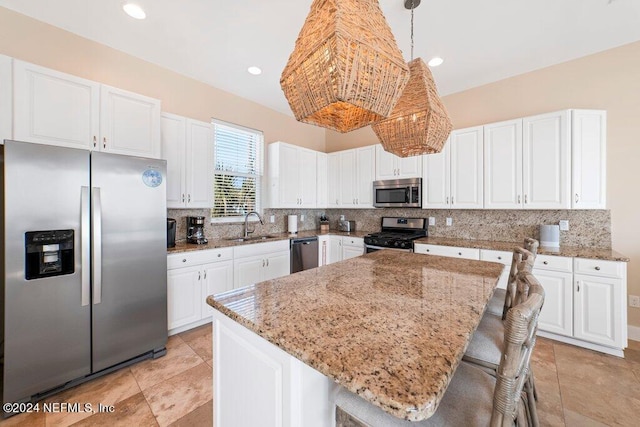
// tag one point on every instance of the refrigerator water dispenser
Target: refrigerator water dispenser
(48, 253)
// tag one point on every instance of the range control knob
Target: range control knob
(396, 244)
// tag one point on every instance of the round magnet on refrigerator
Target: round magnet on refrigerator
(151, 178)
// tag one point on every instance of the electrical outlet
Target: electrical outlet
(634, 301)
(449, 222)
(432, 220)
(272, 219)
(302, 218)
(564, 225)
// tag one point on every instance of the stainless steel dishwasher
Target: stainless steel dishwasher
(304, 253)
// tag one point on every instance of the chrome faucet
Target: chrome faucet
(246, 223)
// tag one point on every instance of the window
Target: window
(238, 171)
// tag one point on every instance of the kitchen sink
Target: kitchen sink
(250, 239)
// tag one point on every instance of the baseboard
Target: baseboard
(633, 332)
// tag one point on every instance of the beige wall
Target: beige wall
(608, 80)
(33, 41)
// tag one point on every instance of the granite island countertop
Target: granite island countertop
(606, 254)
(390, 326)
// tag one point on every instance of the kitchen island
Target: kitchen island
(389, 326)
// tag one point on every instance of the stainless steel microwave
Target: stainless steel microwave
(398, 193)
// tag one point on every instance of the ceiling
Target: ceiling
(214, 41)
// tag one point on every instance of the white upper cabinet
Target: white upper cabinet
(173, 138)
(547, 161)
(390, 166)
(129, 123)
(199, 164)
(503, 165)
(589, 159)
(333, 180)
(293, 176)
(452, 179)
(466, 169)
(187, 146)
(365, 172)
(350, 175)
(436, 179)
(322, 169)
(55, 108)
(527, 163)
(6, 96)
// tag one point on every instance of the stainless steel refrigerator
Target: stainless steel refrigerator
(84, 265)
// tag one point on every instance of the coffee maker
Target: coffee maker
(195, 230)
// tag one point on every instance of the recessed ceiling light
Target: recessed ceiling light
(435, 61)
(254, 70)
(134, 11)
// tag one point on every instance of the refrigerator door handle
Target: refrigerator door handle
(96, 239)
(85, 248)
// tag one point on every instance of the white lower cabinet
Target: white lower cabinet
(584, 298)
(450, 251)
(259, 262)
(191, 277)
(503, 258)
(352, 247)
(341, 248)
(600, 288)
(258, 384)
(557, 313)
(183, 296)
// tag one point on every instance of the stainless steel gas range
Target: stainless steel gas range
(397, 233)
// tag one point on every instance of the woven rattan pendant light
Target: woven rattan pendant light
(419, 123)
(346, 70)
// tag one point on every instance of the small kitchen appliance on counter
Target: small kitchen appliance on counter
(550, 236)
(171, 232)
(195, 230)
(397, 233)
(346, 225)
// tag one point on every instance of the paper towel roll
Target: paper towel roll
(292, 225)
(550, 235)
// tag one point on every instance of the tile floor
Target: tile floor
(577, 387)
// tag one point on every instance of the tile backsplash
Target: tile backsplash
(586, 227)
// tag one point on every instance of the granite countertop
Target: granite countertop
(390, 326)
(607, 254)
(183, 246)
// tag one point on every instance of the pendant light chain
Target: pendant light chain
(412, 7)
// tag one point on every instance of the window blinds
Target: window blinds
(238, 170)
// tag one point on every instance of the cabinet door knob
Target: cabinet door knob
(460, 253)
(198, 275)
(183, 198)
(205, 274)
(597, 268)
(447, 202)
(518, 199)
(95, 141)
(104, 142)
(525, 199)
(428, 250)
(219, 255)
(577, 198)
(184, 260)
(545, 262)
(188, 198)
(499, 257)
